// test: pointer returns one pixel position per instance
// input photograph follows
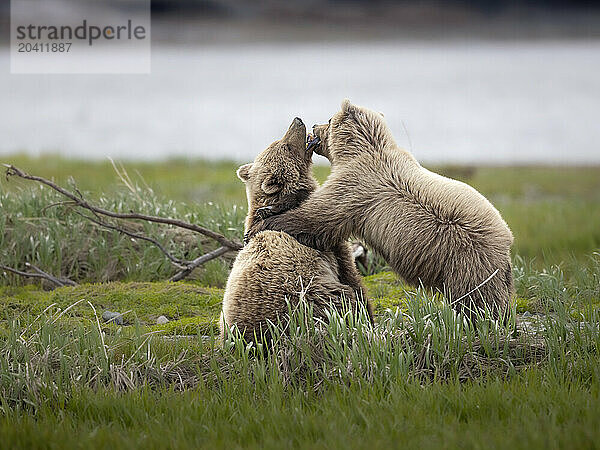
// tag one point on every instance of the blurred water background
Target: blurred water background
(456, 85)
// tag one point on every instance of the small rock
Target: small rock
(115, 317)
(162, 320)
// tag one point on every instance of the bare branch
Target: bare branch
(199, 261)
(60, 282)
(186, 267)
(180, 264)
(53, 205)
(79, 201)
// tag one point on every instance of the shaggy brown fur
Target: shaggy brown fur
(431, 229)
(273, 266)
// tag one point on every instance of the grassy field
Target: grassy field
(421, 377)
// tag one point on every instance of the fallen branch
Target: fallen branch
(76, 199)
(39, 273)
(79, 201)
(180, 264)
(199, 261)
(186, 267)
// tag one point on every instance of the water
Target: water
(455, 102)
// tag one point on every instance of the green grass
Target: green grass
(494, 414)
(421, 378)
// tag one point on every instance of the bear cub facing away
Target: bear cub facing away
(273, 266)
(432, 230)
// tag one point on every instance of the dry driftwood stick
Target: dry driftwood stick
(199, 261)
(61, 281)
(79, 201)
(186, 267)
(179, 263)
(76, 199)
(39, 273)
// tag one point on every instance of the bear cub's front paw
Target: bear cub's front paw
(264, 212)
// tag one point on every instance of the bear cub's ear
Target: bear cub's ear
(243, 172)
(273, 183)
(348, 107)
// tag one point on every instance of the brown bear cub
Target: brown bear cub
(432, 230)
(274, 267)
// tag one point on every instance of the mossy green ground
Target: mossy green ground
(192, 309)
(553, 212)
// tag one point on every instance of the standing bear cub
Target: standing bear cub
(274, 267)
(432, 230)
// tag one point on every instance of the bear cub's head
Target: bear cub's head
(352, 126)
(280, 178)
